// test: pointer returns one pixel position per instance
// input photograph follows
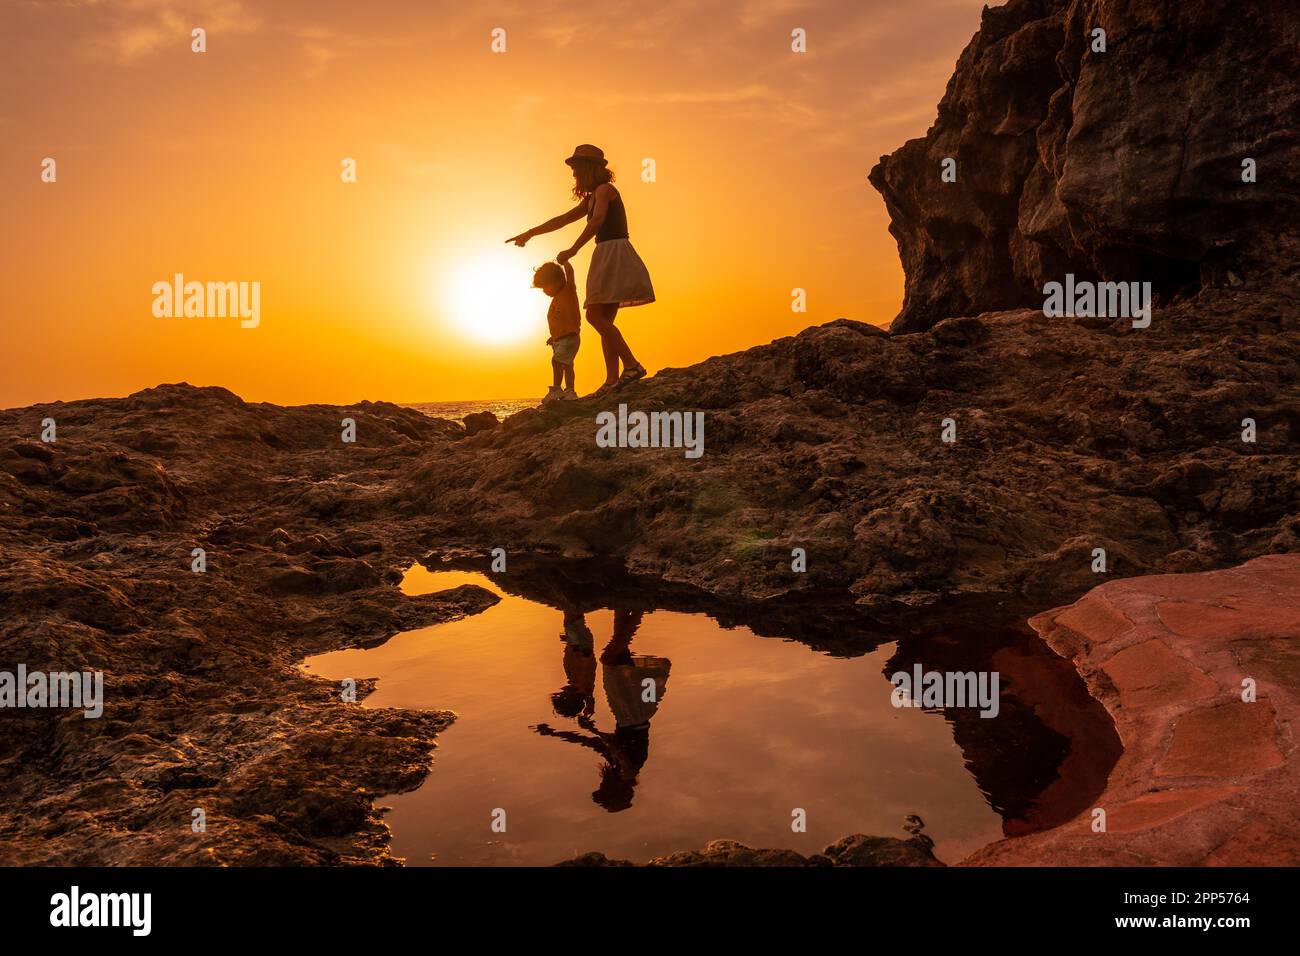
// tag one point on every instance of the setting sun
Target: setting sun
(490, 298)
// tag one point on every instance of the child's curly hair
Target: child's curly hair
(548, 273)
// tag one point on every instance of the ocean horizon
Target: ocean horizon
(456, 410)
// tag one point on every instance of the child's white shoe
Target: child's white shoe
(553, 394)
(568, 395)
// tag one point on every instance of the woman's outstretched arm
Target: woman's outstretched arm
(598, 211)
(559, 222)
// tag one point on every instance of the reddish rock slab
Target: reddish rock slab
(1255, 845)
(1237, 620)
(1209, 774)
(1227, 741)
(1152, 675)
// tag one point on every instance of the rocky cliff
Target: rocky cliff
(1123, 163)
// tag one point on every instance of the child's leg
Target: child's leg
(568, 376)
(558, 371)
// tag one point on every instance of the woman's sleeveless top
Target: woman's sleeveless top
(615, 224)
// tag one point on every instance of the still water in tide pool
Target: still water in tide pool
(638, 735)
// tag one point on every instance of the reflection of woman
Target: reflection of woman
(617, 276)
(634, 685)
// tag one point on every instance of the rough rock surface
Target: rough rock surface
(1206, 778)
(1071, 435)
(204, 705)
(856, 850)
(1121, 165)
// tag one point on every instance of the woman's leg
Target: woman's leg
(602, 316)
(620, 343)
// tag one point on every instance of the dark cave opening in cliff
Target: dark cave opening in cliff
(1170, 278)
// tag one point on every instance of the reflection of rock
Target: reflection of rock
(1205, 777)
(856, 850)
(826, 622)
(1123, 165)
(1046, 755)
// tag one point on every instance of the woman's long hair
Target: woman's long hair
(588, 176)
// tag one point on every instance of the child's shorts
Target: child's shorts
(565, 348)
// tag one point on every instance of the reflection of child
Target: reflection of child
(577, 698)
(565, 321)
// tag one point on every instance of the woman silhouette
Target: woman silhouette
(617, 276)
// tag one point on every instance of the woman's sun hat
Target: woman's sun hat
(587, 153)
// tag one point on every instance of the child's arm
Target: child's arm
(559, 222)
(597, 220)
(568, 274)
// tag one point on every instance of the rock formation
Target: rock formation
(1122, 165)
(1070, 435)
(1201, 673)
(856, 850)
(205, 707)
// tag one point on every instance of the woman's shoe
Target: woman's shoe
(633, 374)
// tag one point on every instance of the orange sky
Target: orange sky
(225, 166)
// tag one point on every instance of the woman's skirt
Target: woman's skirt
(618, 276)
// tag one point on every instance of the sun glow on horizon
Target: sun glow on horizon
(397, 282)
(490, 298)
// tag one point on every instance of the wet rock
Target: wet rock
(856, 850)
(1200, 674)
(860, 850)
(595, 859)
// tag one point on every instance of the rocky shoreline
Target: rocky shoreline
(205, 707)
(1070, 437)
(209, 710)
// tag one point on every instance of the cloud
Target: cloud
(129, 31)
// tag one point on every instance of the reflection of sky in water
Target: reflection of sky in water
(747, 729)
